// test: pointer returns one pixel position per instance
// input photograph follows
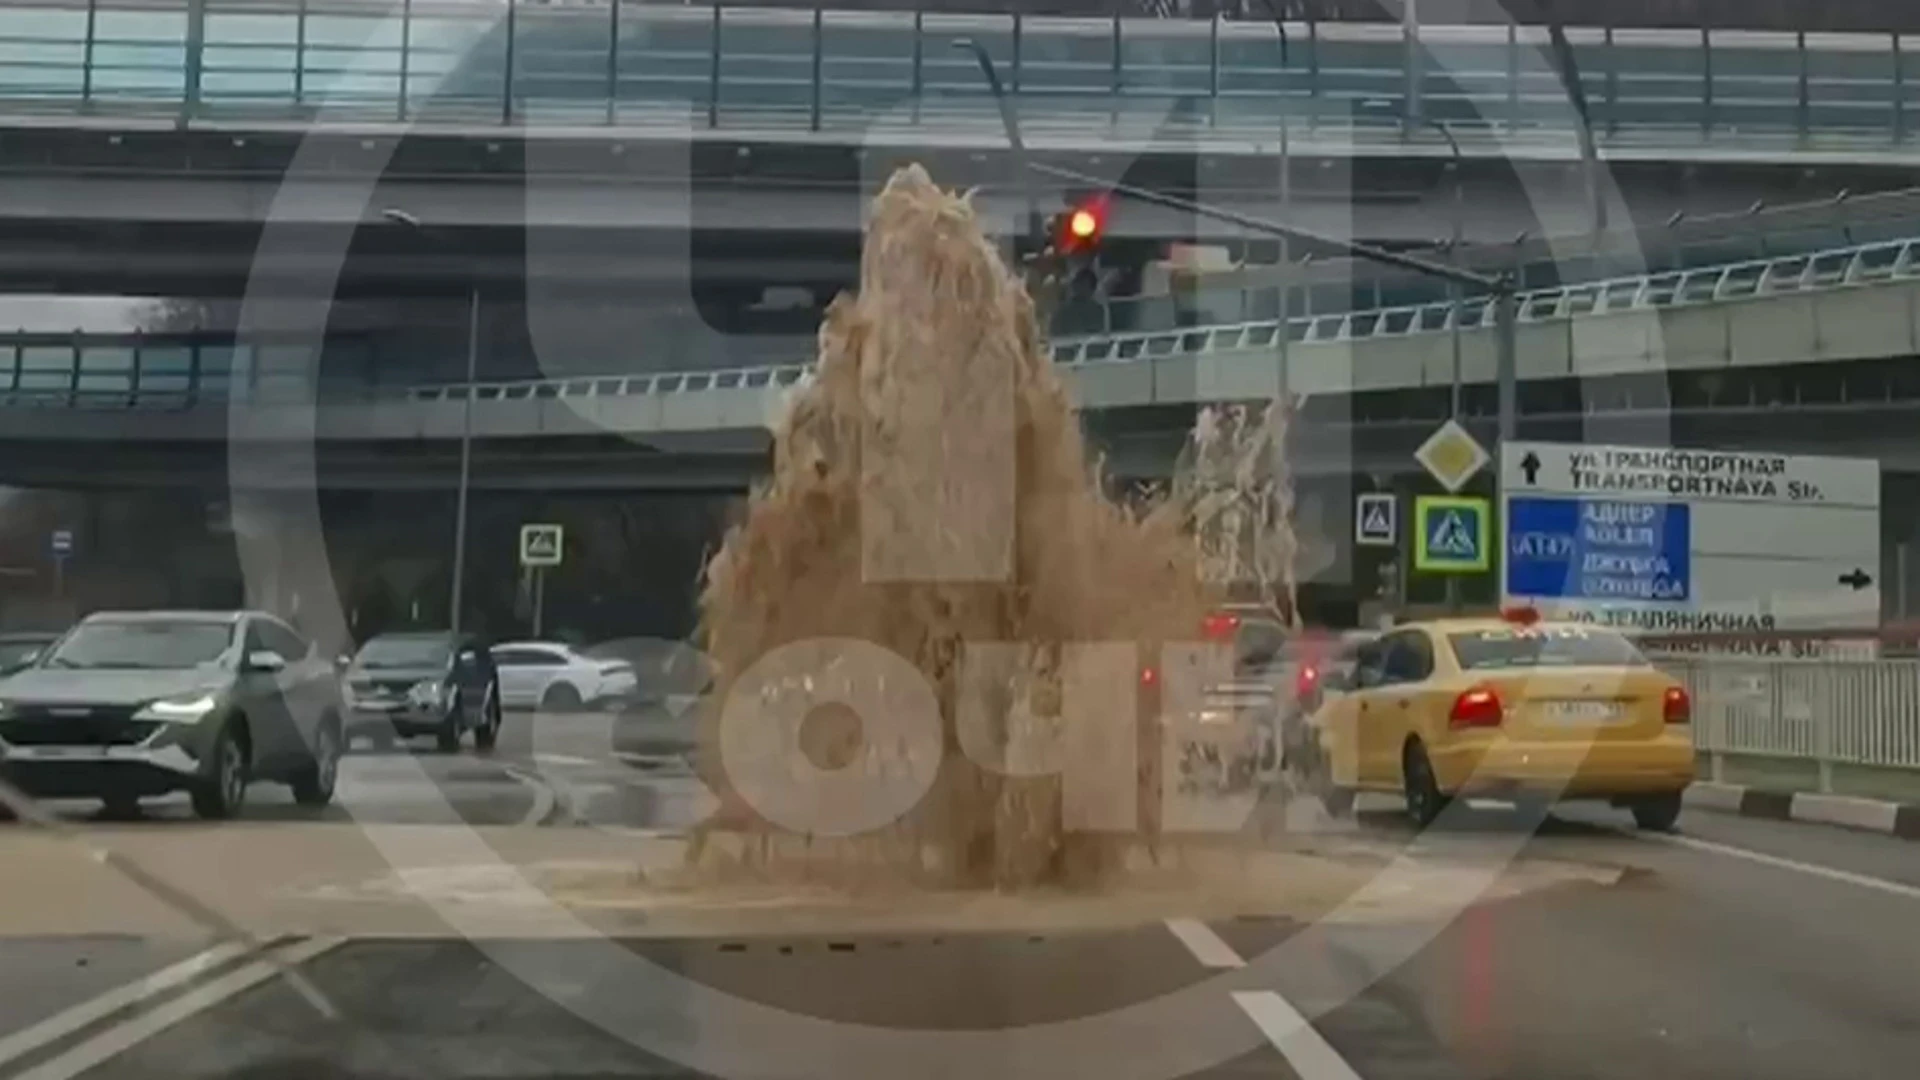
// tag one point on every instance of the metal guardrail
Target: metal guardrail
(517, 63)
(1785, 275)
(1831, 712)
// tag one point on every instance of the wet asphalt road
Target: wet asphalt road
(1741, 948)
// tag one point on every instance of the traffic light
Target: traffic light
(1078, 230)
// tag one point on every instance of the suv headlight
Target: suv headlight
(428, 692)
(185, 709)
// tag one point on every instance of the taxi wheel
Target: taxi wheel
(1424, 799)
(1658, 813)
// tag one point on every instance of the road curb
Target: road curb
(1869, 815)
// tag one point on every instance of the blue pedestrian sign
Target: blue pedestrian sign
(1599, 549)
(1376, 519)
(1452, 537)
(61, 542)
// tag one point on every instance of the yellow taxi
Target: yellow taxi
(1509, 708)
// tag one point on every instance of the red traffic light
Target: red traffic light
(1078, 229)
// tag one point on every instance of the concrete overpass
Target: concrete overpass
(1770, 354)
(156, 149)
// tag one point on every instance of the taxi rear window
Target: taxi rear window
(1554, 646)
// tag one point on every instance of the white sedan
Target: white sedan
(555, 677)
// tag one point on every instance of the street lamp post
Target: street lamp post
(1286, 197)
(1009, 119)
(458, 588)
(1456, 295)
(1454, 241)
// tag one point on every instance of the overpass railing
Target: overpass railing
(62, 374)
(511, 62)
(1865, 264)
(1734, 281)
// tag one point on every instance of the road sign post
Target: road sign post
(60, 544)
(541, 546)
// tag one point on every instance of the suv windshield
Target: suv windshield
(1568, 646)
(405, 652)
(155, 644)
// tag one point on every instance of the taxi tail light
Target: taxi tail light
(1479, 707)
(1677, 706)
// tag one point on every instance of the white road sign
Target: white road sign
(1376, 519)
(541, 545)
(1691, 541)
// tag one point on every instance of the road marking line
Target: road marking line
(1204, 944)
(1310, 1055)
(562, 759)
(124, 1036)
(64, 1023)
(1847, 877)
(545, 798)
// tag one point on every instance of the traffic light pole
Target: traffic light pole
(1505, 300)
(1043, 261)
(1009, 119)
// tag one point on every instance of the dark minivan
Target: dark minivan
(428, 682)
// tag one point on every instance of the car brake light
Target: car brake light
(1478, 707)
(1677, 706)
(1148, 676)
(1308, 680)
(1219, 627)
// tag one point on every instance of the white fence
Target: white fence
(1830, 712)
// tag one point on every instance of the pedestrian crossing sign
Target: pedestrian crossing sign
(542, 545)
(1374, 519)
(1452, 535)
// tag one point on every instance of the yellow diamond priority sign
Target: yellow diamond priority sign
(1452, 456)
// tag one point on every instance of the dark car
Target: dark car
(18, 650)
(424, 683)
(134, 704)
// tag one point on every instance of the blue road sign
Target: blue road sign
(1452, 537)
(62, 542)
(1599, 549)
(1376, 519)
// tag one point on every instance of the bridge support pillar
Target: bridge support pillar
(282, 558)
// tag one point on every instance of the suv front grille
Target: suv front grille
(102, 726)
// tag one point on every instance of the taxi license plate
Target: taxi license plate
(1582, 712)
